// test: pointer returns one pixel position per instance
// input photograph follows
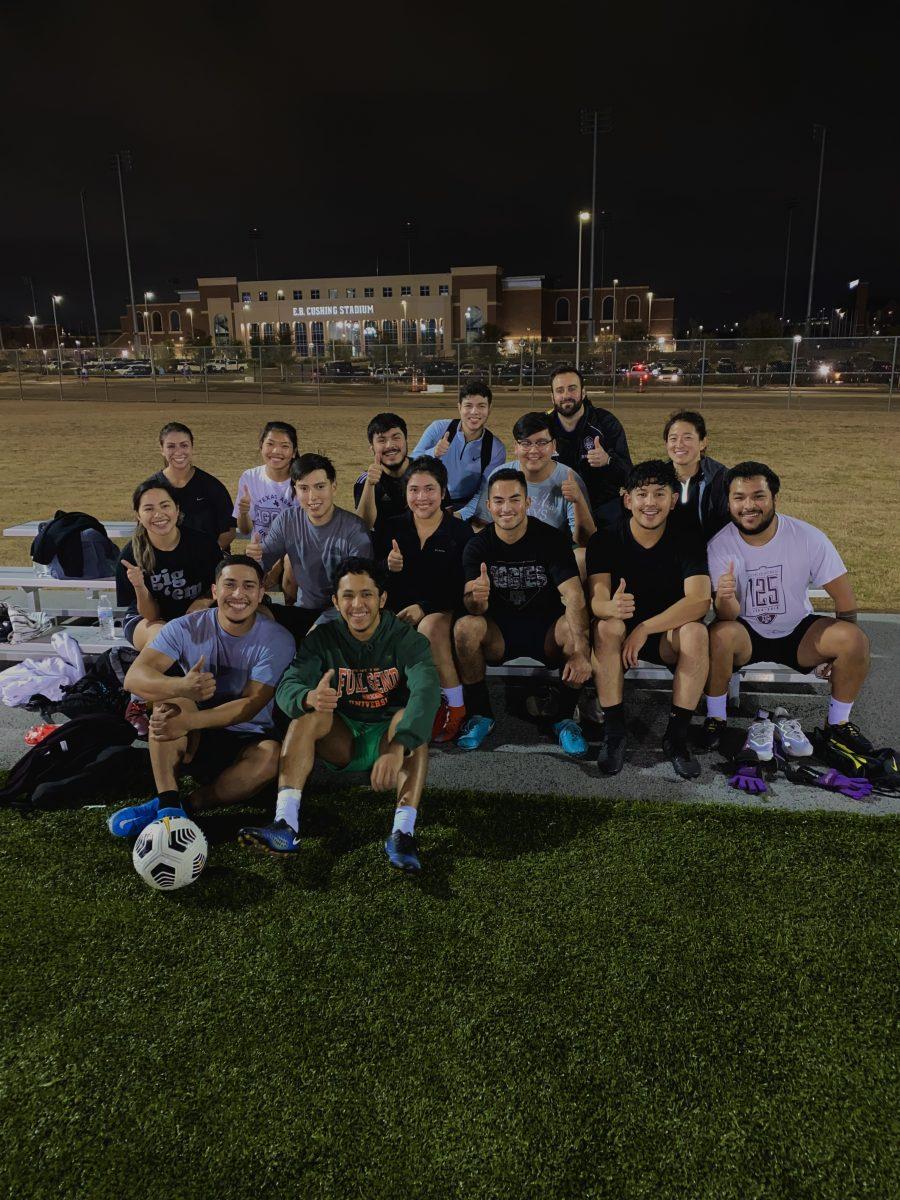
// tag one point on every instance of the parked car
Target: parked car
(133, 370)
(726, 366)
(220, 366)
(670, 375)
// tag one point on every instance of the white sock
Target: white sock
(404, 819)
(453, 696)
(838, 711)
(717, 706)
(288, 807)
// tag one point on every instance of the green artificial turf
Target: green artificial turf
(575, 998)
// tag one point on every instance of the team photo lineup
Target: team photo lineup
(462, 552)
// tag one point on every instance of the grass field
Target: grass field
(575, 999)
(839, 467)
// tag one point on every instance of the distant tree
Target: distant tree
(761, 325)
(492, 333)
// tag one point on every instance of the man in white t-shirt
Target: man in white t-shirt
(761, 566)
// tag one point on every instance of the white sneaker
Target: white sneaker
(27, 625)
(794, 741)
(760, 740)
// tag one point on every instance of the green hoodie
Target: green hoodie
(392, 670)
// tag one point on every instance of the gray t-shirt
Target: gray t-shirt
(262, 654)
(548, 503)
(315, 550)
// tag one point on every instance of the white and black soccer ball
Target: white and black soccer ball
(170, 853)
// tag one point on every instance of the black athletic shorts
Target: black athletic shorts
(650, 651)
(219, 748)
(779, 650)
(524, 637)
(297, 621)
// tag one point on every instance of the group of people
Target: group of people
(459, 554)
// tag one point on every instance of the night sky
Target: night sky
(330, 136)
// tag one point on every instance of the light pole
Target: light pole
(594, 121)
(615, 285)
(792, 204)
(54, 300)
(123, 160)
(819, 131)
(148, 297)
(33, 321)
(583, 218)
(649, 316)
(190, 313)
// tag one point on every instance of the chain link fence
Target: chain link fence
(688, 369)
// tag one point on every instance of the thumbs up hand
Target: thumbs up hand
(622, 602)
(480, 589)
(597, 456)
(441, 447)
(726, 587)
(570, 489)
(244, 502)
(376, 470)
(255, 550)
(323, 697)
(198, 684)
(395, 558)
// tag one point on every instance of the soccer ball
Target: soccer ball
(170, 853)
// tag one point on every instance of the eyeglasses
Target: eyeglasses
(537, 444)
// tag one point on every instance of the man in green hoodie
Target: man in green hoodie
(362, 694)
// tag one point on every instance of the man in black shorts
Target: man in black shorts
(215, 721)
(380, 492)
(524, 599)
(650, 590)
(763, 564)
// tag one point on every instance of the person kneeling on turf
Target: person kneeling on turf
(650, 589)
(362, 694)
(214, 723)
(524, 598)
(762, 564)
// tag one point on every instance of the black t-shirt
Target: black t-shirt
(655, 577)
(180, 577)
(204, 502)
(432, 574)
(526, 575)
(390, 495)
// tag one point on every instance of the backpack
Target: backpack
(72, 763)
(880, 767)
(487, 449)
(100, 690)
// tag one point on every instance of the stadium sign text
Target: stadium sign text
(334, 310)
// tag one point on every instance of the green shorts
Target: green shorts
(367, 737)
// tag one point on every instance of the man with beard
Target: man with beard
(215, 720)
(763, 564)
(380, 492)
(650, 590)
(591, 441)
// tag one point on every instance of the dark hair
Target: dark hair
(239, 560)
(508, 475)
(305, 464)
(750, 469)
(355, 564)
(690, 418)
(279, 427)
(654, 470)
(383, 422)
(141, 546)
(476, 387)
(566, 369)
(532, 422)
(425, 464)
(174, 427)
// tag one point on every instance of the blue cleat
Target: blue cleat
(474, 732)
(278, 838)
(402, 851)
(129, 822)
(571, 738)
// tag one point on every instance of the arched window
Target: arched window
(389, 333)
(429, 331)
(607, 313)
(585, 308)
(175, 321)
(633, 308)
(156, 322)
(408, 330)
(318, 336)
(562, 309)
(140, 322)
(268, 331)
(370, 332)
(300, 338)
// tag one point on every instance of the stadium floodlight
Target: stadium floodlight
(583, 217)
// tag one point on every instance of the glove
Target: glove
(853, 789)
(749, 778)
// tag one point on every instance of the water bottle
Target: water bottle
(105, 620)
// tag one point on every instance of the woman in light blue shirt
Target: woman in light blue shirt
(466, 447)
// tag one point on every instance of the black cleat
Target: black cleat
(679, 755)
(710, 734)
(611, 755)
(849, 737)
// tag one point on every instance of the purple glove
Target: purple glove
(749, 778)
(853, 789)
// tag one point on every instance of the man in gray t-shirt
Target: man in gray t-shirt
(315, 537)
(215, 720)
